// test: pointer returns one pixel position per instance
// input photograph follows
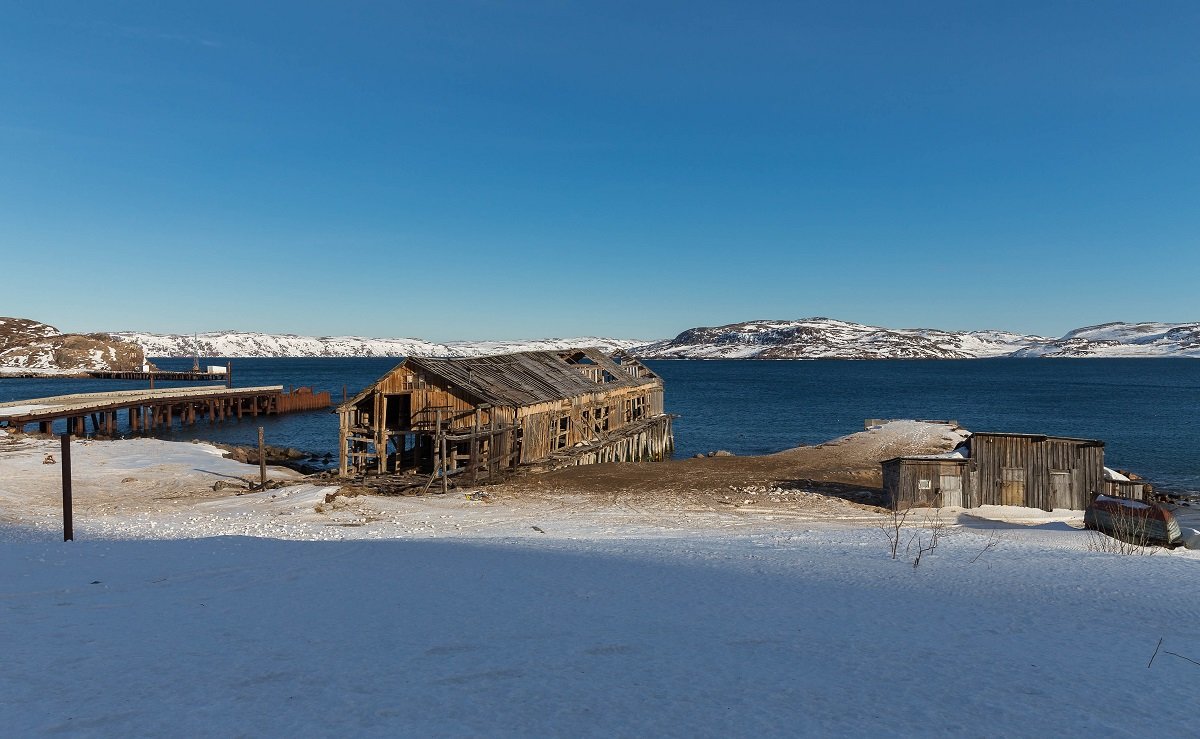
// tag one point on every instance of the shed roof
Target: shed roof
(928, 458)
(526, 378)
(1039, 437)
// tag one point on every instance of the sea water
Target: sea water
(1144, 409)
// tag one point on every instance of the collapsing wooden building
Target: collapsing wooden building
(481, 415)
(1029, 470)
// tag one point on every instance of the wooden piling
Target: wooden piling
(262, 460)
(68, 513)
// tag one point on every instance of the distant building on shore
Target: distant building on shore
(1030, 470)
(481, 415)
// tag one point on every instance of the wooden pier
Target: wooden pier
(211, 374)
(150, 410)
(161, 375)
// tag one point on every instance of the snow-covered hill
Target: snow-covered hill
(1122, 340)
(825, 338)
(31, 345)
(821, 338)
(807, 338)
(253, 344)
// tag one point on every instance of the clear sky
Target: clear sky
(471, 170)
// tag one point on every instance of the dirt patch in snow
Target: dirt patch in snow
(837, 473)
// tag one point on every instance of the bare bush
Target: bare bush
(918, 542)
(992, 540)
(1129, 534)
(926, 538)
(893, 529)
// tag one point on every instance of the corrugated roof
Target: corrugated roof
(525, 378)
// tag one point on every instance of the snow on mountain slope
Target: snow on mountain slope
(1122, 340)
(821, 338)
(254, 344)
(825, 338)
(808, 338)
(31, 345)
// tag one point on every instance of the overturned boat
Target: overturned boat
(1133, 521)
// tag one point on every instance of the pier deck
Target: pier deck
(161, 375)
(152, 409)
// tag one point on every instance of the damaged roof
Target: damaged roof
(526, 378)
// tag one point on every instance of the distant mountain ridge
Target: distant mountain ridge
(237, 344)
(826, 338)
(806, 338)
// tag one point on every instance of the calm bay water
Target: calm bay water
(1145, 409)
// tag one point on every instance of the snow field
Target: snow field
(808, 631)
(184, 611)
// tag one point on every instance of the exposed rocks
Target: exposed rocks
(289, 457)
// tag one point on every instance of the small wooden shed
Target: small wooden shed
(483, 414)
(935, 481)
(1032, 470)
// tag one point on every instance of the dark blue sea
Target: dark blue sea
(1147, 410)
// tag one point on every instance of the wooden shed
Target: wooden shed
(1031, 470)
(929, 481)
(1036, 471)
(479, 415)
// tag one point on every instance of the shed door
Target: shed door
(1012, 486)
(951, 491)
(1060, 489)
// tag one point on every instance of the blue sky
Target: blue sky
(502, 170)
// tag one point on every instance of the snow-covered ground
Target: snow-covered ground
(186, 611)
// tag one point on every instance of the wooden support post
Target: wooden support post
(262, 460)
(491, 453)
(151, 379)
(474, 460)
(47, 427)
(229, 376)
(378, 421)
(343, 423)
(445, 467)
(439, 451)
(68, 514)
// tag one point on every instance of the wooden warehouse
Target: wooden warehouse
(1030, 470)
(481, 415)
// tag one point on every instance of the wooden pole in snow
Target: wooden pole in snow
(262, 460)
(68, 514)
